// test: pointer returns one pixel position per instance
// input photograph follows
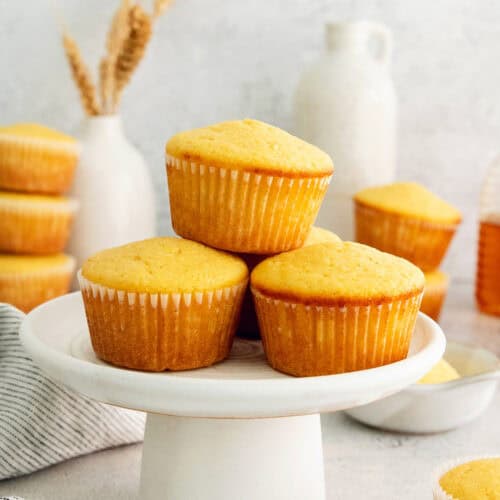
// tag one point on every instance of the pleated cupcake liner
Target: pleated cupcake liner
(27, 290)
(161, 331)
(433, 298)
(37, 165)
(242, 211)
(422, 242)
(35, 227)
(437, 491)
(307, 340)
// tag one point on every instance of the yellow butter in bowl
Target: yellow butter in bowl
(441, 372)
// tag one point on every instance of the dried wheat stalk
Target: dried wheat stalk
(81, 76)
(160, 7)
(118, 32)
(126, 43)
(133, 47)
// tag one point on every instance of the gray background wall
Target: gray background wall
(212, 60)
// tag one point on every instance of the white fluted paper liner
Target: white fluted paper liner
(161, 331)
(437, 491)
(70, 147)
(242, 211)
(69, 205)
(303, 339)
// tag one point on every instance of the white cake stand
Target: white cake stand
(237, 430)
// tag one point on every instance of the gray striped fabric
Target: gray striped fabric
(42, 423)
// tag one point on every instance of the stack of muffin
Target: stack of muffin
(407, 220)
(36, 167)
(252, 190)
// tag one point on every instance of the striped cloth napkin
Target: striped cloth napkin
(42, 423)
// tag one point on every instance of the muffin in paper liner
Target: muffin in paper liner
(28, 288)
(248, 326)
(242, 211)
(438, 493)
(38, 161)
(32, 224)
(304, 339)
(161, 331)
(422, 242)
(436, 287)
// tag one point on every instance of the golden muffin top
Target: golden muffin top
(441, 372)
(252, 146)
(164, 265)
(332, 273)
(28, 263)
(410, 199)
(34, 130)
(320, 235)
(475, 480)
(435, 278)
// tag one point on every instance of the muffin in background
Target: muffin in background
(34, 224)
(436, 287)
(468, 479)
(248, 326)
(245, 186)
(36, 159)
(28, 281)
(163, 303)
(440, 372)
(335, 307)
(407, 220)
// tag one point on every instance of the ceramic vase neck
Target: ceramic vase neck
(105, 126)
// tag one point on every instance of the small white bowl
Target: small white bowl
(427, 408)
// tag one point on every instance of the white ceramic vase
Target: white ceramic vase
(346, 105)
(114, 188)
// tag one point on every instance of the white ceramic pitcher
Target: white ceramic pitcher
(114, 188)
(346, 105)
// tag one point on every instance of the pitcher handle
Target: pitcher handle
(383, 37)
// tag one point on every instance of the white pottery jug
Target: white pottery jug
(346, 105)
(114, 188)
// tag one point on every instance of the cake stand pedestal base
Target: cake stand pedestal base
(228, 459)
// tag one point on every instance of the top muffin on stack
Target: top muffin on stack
(36, 167)
(245, 186)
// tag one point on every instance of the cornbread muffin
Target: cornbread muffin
(441, 372)
(407, 220)
(163, 303)
(335, 307)
(27, 281)
(248, 326)
(36, 159)
(245, 186)
(476, 479)
(34, 224)
(436, 287)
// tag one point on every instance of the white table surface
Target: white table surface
(360, 463)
